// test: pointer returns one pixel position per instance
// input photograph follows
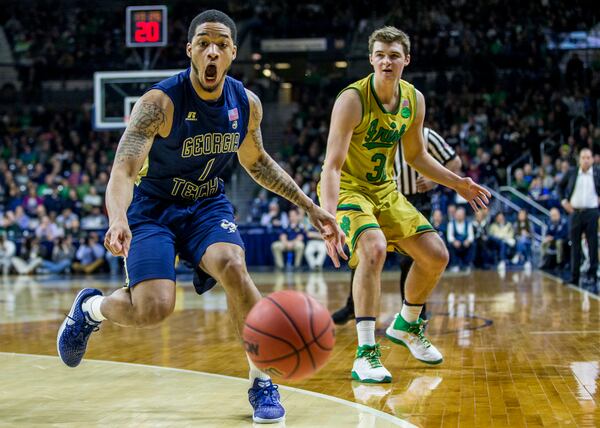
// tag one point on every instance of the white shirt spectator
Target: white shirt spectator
(460, 230)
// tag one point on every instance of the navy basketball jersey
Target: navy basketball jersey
(185, 166)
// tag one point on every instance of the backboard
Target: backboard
(115, 93)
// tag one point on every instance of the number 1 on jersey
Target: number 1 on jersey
(207, 168)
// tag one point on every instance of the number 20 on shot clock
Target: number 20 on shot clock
(146, 26)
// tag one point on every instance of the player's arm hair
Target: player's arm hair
(346, 115)
(261, 167)
(416, 155)
(151, 115)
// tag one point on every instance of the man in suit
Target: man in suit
(579, 190)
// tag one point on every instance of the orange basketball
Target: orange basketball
(289, 335)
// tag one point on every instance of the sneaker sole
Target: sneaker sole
(356, 377)
(62, 328)
(401, 342)
(267, 421)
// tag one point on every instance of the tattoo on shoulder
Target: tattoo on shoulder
(146, 120)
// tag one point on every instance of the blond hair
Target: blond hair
(389, 34)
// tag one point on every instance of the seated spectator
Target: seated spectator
(538, 193)
(7, 252)
(63, 253)
(22, 220)
(95, 220)
(523, 235)
(501, 239)
(274, 217)
(89, 255)
(554, 243)
(460, 241)
(92, 199)
(291, 239)
(68, 220)
(48, 230)
(481, 224)
(259, 207)
(9, 224)
(32, 200)
(30, 256)
(73, 202)
(437, 221)
(520, 183)
(53, 202)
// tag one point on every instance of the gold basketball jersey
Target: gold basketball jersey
(369, 165)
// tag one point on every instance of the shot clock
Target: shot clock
(146, 26)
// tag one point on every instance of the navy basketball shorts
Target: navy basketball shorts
(162, 229)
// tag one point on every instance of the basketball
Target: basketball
(289, 335)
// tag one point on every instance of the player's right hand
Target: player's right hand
(118, 238)
(333, 236)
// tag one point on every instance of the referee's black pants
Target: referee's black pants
(584, 221)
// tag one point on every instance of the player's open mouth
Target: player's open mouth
(210, 74)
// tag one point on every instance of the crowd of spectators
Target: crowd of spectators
(53, 175)
(54, 41)
(497, 93)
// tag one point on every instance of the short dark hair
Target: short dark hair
(212, 15)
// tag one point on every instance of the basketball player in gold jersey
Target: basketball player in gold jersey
(369, 120)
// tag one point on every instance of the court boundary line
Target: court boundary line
(361, 407)
(559, 281)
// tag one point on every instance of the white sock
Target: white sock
(92, 307)
(411, 313)
(366, 333)
(255, 373)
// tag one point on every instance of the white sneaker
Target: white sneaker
(454, 269)
(367, 366)
(411, 335)
(527, 266)
(502, 266)
(515, 259)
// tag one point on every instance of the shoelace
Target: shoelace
(372, 355)
(80, 331)
(267, 395)
(418, 330)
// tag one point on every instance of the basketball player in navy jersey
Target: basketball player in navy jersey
(165, 197)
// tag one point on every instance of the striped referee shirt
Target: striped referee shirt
(407, 176)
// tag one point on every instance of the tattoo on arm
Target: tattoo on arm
(270, 175)
(146, 120)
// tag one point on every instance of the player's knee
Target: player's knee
(441, 257)
(153, 311)
(436, 257)
(375, 251)
(232, 267)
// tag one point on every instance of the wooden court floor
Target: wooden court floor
(519, 351)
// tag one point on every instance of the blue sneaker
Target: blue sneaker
(264, 398)
(75, 330)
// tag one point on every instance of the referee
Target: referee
(416, 189)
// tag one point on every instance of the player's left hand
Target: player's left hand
(424, 185)
(477, 196)
(333, 236)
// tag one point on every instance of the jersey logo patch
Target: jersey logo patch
(228, 226)
(191, 116)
